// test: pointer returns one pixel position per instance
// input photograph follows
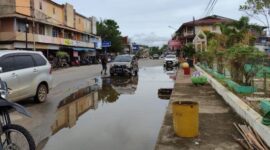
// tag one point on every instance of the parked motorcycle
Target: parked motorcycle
(12, 136)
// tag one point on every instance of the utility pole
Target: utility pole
(34, 27)
(34, 39)
(26, 35)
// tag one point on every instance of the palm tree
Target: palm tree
(233, 34)
(236, 31)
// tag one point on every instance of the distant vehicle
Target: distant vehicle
(161, 56)
(28, 74)
(125, 65)
(155, 56)
(171, 61)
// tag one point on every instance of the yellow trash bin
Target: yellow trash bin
(186, 118)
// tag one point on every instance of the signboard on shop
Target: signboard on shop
(106, 43)
(135, 47)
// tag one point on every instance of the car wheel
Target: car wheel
(41, 94)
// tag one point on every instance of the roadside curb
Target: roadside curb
(240, 107)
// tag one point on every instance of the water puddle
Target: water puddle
(124, 114)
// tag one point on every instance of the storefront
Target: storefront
(86, 55)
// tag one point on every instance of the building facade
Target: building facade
(127, 46)
(193, 31)
(46, 26)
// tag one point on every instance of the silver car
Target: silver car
(124, 64)
(27, 73)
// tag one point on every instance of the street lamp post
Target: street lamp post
(172, 27)
(26, 35)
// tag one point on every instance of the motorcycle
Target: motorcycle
(12, 136)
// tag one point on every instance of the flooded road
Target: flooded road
(125, 114)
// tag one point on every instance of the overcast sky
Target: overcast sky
(147, 21)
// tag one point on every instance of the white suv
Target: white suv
(171, 61)
(27, 73)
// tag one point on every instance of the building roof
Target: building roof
(209, 20)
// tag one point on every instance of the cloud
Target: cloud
(150, 39)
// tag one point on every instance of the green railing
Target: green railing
(231, 84)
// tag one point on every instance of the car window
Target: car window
(7, 64)
(123, 59)
(23, 62)
(170, 56)
(39, 60)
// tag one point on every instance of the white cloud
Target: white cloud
(149, 39)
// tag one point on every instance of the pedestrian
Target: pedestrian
(104, 61)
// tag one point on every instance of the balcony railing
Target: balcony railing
(189, 33)
(20, 36)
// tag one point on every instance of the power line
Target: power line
(211, 7)
(207, 7)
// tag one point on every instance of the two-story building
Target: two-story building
(193, 31)
(46, 26)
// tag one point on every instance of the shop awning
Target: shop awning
(84, 49)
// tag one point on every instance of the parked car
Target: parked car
(155, 56)
(171, 61)
(28, 74)
(124, 64)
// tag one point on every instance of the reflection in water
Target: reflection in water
(165, 93)
(171, 72)
(70, 110)
(112, 88)
(68, 113)
(131, 123)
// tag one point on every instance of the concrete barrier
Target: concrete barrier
(241, 108)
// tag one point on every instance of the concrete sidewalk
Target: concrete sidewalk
(216, 120)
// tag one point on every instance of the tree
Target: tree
(109, 31)
(189, 50)
(216, 48)
(257, 9)
(154, 50)
(164, 48)
(157, 50)
(236, 31)
(238, 57)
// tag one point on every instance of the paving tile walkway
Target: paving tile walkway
(216, 120)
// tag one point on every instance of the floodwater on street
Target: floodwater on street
(125, 114)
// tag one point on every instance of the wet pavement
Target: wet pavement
(124, 114)
(216, 118)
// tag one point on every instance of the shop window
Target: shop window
(85, 38)
(68, 35)
(41, 29)
(21, 27)
(55, 32)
